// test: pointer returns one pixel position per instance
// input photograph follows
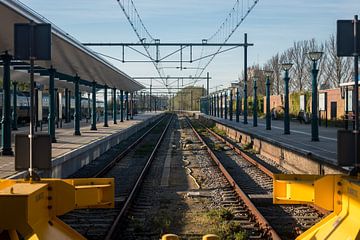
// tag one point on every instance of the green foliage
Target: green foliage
(225, 227)
(260, 105)
(308, 97)
(294, 99)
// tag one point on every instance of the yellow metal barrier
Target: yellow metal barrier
(30, 208)
(170, 237)
(337, 193)
(210, 237)
(176, 237)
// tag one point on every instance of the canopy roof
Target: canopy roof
(69, 56)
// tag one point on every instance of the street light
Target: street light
(268, 73)
(286, 67)
(255, 103)
(314, 57)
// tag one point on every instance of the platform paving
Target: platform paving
(299, 138)
(67, 142)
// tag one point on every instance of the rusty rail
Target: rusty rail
(259, 217)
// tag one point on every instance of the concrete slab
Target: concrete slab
(71, 152)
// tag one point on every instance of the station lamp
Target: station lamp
(314, 57)
(268, 74)
(286, 67)
(255, 102)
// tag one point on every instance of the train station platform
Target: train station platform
(298, 141)
(71, 152)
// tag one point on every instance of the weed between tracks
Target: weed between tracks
(223, 225)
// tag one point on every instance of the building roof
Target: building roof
(69, 56)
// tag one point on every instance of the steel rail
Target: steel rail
(137, 184)
(247, 157)
(240, 152)
(259, 217)
(126, 151)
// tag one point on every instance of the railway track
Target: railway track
(254, 177)
(192, 182)
(127, 166)
(187, 210)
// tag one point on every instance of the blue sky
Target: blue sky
(272, 26)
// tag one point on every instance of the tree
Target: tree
(274, 64)
(337, 69)
(297, 55)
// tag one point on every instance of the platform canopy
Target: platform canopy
(69, 56)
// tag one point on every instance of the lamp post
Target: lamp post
(225, 105)
(255, 103)
(286, 67)
(237, 105)
(268, 113)
(314, 57)
(231, 105)
(245, 102)
(221, 105)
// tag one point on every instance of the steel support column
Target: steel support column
(66, 104)
(314, 106)
(286, 111)
(69, 107)
(121, 105)
(51, 116)
(127, 105)
(226, 105)
(231, 106)
(56, 93)
(6, 110)
(245, 80)
(77, 107)
(218, 105)
(93, 113)
(131, 105)
(114, 105)
(14, 113)
(255, 105)
(221, 106)
(105, 107)
(268, 113)
(237, 106)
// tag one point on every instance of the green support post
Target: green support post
(255, 105)
(69, 108)
(286, 111)
(218, 105)
(314, 107)
(226, 105)
(56, 107)
(132, 106)
(77, 106)
(105, 108)
(245, 81)
(127, 105)
(268, 113)
(231, 106)
(51, 116)
(114, 105)
(66, 105)
(221, 105)
(237, 106)
(245, 104)
(93, 114)
(215, 106)
(122, 105)
(14, 114)
(6, 149)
